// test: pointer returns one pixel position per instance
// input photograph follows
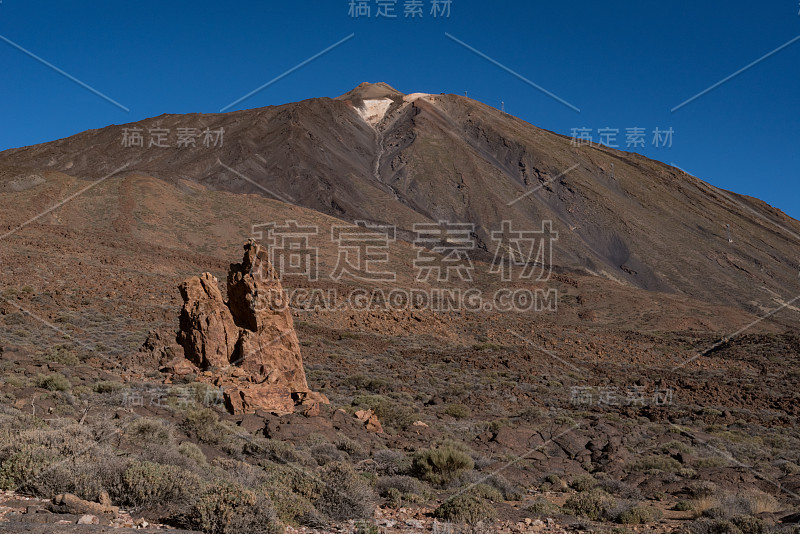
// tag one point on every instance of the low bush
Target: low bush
(148, 484)
(639, 515)
(750, 525)
(716, 526)
(204, 424)
(458, 411)
(405, 485)
(107, 387)
(150, 430)
(19, 466)
(751, 502)
(466, 508)
(485, 491)
(225, 508)
(543, 508)
(666, 464)
(353, 448)
(390, 462)
(441, 465)
(583, 483)
(54, 382)
(345, 494)
(620, 489)
(595, 505)
(326, 453)
(193, 452)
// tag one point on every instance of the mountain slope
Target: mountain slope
(376, 154)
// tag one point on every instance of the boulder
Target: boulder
(370, 420)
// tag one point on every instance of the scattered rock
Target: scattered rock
(370, 420)
(88, 519)
(70, 504)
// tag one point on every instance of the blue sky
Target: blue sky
(623, 64)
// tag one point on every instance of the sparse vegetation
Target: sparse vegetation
(466, 508)
(345, 494)
(441, 465)
(54, 382)
(639, 515)
(595, 505)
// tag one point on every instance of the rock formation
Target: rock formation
(246, 345)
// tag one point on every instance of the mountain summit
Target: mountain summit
(371, 91)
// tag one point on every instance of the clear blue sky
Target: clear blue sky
(624, 64)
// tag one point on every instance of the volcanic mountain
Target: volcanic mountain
(375, 154)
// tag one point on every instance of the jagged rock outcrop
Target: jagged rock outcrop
(246, 345)
(208, 333)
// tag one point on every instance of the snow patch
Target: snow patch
(373, 111)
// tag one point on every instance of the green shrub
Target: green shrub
(225, 508)
(326, 453)
(393, 496)
(790, 468)
(583, 483)
(711, 461)
(543, 508)
(54, 382)
(552, 479)
(399, 486)
(362, 527)
(441, 465)
(595, 505)
(204, 424)
(148, 484)
(353, 448)
(390, 462)
(459, 411)
(639, 515)
(64, 354)
(17, 381)
(345, 494)
(687, 472)
(716, 526)
(660, 463)
(684, 506)
(149, 430)
(508, 490)
(276, 451)
(291, 491)
(193, 452)
(676, 445)
(465, 508)
(485, 491)
(20, 465)
(107, 386)
(750, 525)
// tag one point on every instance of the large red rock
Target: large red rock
(208, 333)
(247, 343)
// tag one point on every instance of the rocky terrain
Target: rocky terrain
(148, 367)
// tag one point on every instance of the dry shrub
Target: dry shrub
(148, 484)
(595, 505)
(227, 508)
(443, 464)
(345, 494)
(466, 508)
